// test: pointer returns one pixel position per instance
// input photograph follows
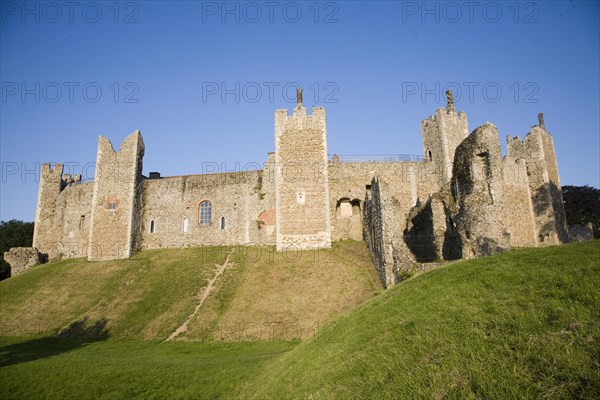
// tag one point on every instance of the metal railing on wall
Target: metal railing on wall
(376, 158)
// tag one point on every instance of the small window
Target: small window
(152, 226)
(205, 213)
(81, 222)
(185, 225)
(429, 154)
(111, 203)
(222, 222)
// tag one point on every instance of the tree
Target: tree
(582, 205)
(13, 233)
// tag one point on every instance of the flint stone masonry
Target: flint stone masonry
(483, 205)
(303, 219)
(21, 259)
(478, 188)
(115, 219)
(463, 200)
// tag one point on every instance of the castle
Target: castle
(460, 200)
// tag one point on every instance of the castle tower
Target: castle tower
(116, 206)
(47, 232)
(301, 179)
(537, 149)
(442, 133)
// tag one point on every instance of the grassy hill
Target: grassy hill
(524, 324)
(261, 293)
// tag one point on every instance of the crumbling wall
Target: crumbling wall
(407, 182)
(478, 189)
(377, 235)
(382, 221)
(21, 259)
(431, 233)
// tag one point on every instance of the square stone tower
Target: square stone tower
(442, 133)
(301, 179)
(116, 205)
(537, 149)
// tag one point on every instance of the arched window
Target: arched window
(152, 226)
(185, 225)
(222, 222)
(205, 213)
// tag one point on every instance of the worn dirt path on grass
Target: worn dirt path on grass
(203, 295)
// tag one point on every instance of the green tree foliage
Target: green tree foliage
(582, 205)
(13, 233)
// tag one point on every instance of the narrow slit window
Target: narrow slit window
(152, 226)
(222, 223)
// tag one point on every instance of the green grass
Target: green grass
(524, 324)
(70, 369)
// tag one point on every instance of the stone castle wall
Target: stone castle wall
(463, 200)
(171, 210)
(489, 205)
(63, 215)
(407, 182)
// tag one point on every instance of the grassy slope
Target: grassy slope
(525, 324)
(150, 295)
(519, 325)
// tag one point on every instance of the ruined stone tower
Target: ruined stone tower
(116, 216)
(301, 179)
(537, 150)
(442, 133)
(46, 230)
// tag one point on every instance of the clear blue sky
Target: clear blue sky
(379, 68)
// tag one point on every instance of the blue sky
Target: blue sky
(201, 80)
